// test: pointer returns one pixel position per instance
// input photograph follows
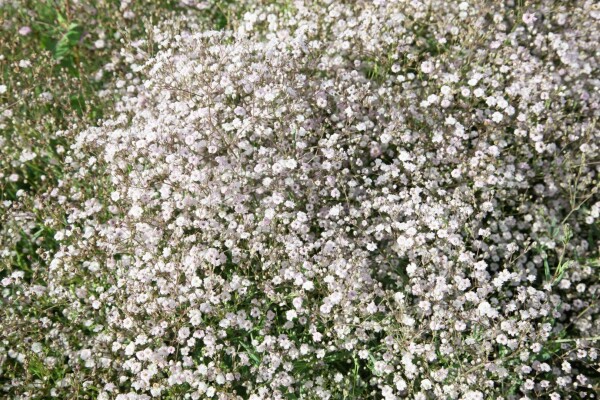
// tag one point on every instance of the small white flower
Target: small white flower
(371, 308)
(529, 18)
(36, 347)
(427, 67)
(290, 315)
(85, 354)
(136, 212)
(24, 30)
(130, 349)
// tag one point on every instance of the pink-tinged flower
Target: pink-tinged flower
(24, 30)
(529, 18)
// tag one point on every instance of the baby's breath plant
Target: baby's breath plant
(63, 65)
(320, 200)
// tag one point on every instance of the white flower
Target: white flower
(497, 117)
(290, 315)
(136, 211)
(85, 354)
(127, 323)
(183, 333)
(460, 326)
(427, 67)
(485, 309)
(297, 303)
(130, 349)
(371, 308)
(529, 18)
(325, 308)
(401, 384)
(24, 30)
(36, 347)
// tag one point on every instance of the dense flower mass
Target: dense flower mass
(329, 200)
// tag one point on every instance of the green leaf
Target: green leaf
(61, 19)
(255, 359)
(68, 40)
(561, 271)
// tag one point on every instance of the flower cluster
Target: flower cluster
(371, 199)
